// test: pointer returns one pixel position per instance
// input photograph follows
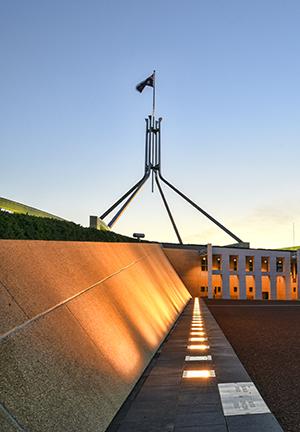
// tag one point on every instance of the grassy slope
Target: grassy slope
(20, 226)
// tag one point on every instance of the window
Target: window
(204, 264)
(249, 263)
(219, 289)
(264, 264)
(251, 289)
(279, 265)
(202, 289)
(233, 262)
(216, 262)
(235, 289)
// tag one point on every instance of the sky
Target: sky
(227, 87)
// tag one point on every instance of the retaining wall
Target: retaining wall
(186, 262)
(79, 323)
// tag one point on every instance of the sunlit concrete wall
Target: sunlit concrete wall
(186, 262)
(79, 323)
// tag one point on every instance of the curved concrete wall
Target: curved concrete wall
(186, 262)
(79, 323)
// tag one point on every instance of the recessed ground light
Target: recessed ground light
(197, 333)
(200, 347)
(198, 339)
(205, 373)
(198, 358)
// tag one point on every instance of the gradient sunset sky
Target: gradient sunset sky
(228, 89)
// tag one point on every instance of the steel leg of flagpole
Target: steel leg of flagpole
(168, 209)
(200, 209)
(146, 175)
(125, 205)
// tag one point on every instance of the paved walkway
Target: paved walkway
(195, 383)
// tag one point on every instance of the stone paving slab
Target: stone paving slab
(164, 401)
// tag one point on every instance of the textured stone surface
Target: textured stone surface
(40, 274)
(6, 424)
(71, 368)
(11, 313)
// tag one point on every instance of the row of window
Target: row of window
(217, 289)
(249, 263)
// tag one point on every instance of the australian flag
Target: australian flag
(147, 82)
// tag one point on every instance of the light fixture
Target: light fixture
(200, 347)
(204, 373)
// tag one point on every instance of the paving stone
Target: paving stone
(200, 419)
(253, 423)
(210, 428)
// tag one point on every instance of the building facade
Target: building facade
(237, 273)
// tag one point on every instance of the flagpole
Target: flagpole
(153, 100)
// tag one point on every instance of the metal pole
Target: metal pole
(125, 205)
(200, 209)
(159, 145)
(152, 150)
(153, 95)
(168, 209)
(146, 146)
(124, 196)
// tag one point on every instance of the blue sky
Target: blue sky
(72, 124)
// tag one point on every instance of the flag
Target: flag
(147, 82)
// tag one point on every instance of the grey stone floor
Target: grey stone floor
(165, 401)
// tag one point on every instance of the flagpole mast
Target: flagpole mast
(153, 100)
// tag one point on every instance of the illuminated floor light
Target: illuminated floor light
(200, 347)
(197, 333)
(198, 339)
(198, 358)
(205, 373)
